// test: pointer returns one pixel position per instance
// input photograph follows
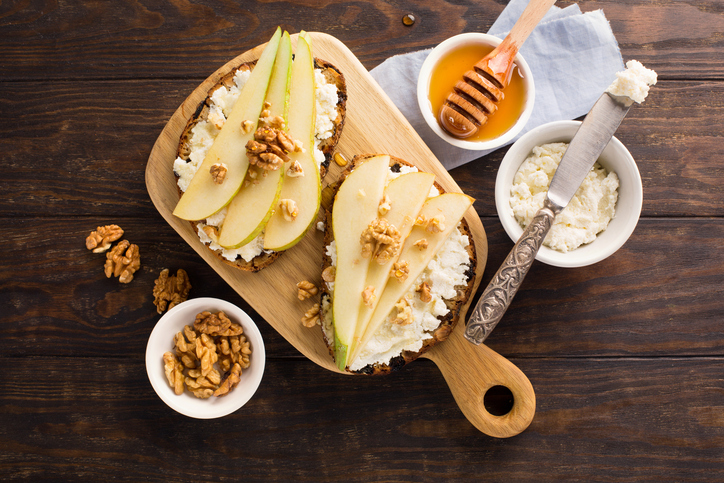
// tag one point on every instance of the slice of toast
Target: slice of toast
(333, 76)
(447, 322)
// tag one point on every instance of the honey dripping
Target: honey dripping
(450, 69)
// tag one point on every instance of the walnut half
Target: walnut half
(306, 289)
(216, 324)
(311, 316)
(100, 240)
(380, 240)
(368, 296)
(289, 209)
(123, 261)
(218, 172)
(170, 291)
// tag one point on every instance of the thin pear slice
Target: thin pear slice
(204, 197)
(405, 195)
(354, 208)
(253, 205)
(305, 191)
(452, 206)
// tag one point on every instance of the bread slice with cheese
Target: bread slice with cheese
(449, 277)
(205, 124)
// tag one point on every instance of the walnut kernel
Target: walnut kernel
(400, 270)
(247, 126)
(380, 240)
(424, 290)
(289, 209)
(311, 316)
(421, 244)
(218, 172)
(329, 273)
(306, 289)
(368, 296)
(435, 224)
(404, 312)
(100, 240)
(217, 324)
(384, 206)
(170, 291)
(123, 261)
(295, 170)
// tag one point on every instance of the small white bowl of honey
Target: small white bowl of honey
(446, 65)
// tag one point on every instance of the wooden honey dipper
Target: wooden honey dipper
(475, 97)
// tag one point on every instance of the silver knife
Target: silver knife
(584, 149)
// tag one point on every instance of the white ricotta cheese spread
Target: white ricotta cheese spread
(589, 211)
(204, 132)
(633, 82)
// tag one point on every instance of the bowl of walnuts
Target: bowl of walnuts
(205, 358)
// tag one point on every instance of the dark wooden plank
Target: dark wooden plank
(85, 147)
(656, 296)
(606, 420)
(126, 39)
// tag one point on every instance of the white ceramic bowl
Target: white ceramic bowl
(161, 340)
(614, 158)
(423, 87)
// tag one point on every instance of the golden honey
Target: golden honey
(451, 68)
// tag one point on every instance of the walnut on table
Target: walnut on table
(101, 239)
(170, 291)
(123, 261)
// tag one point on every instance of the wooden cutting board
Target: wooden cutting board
(373, 125)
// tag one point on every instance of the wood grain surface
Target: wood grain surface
(626, 357)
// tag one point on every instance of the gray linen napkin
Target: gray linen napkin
(574, 57)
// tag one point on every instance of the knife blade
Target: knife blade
(587, 144)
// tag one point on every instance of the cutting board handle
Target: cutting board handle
(470, 371)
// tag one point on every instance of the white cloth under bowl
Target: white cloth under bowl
(574, 57)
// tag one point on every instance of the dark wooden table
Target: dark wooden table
(626, 356)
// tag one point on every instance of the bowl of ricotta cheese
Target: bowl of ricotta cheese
(602, 214)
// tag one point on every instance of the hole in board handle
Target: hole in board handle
(498, 400)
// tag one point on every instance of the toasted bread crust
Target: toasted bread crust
(332, 75)
(447, 322)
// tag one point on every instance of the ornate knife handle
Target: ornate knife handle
(505, 283)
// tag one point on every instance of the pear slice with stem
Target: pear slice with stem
(304, 187)
(254, 204)
(204, 197)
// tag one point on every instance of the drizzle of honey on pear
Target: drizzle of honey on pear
(451, 68)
